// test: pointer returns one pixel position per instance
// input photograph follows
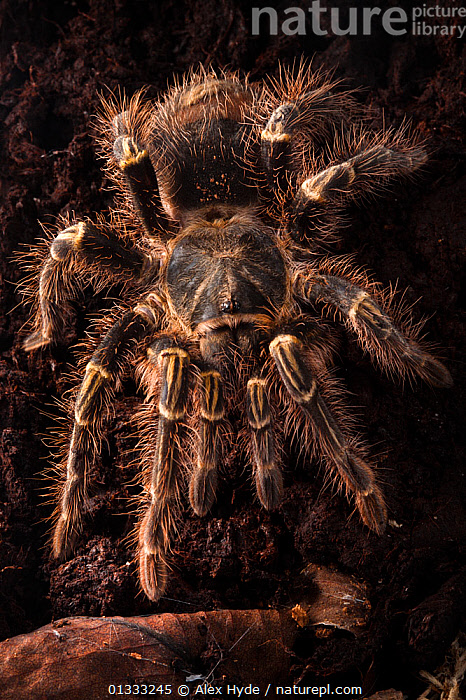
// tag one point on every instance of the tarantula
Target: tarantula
(230, 192)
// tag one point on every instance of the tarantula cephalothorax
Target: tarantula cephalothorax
(227, 189)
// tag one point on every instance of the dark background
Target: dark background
(55, 60)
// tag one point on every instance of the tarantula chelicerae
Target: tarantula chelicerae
(228, 189)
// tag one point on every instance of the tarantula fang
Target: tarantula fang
(229, 194)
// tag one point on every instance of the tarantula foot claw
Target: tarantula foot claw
(372, 509)
(269, 485)
(64, 540)
(35, 341)
(435, 373)
(202, 490)
(153, 572)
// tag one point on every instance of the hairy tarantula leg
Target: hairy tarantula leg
(375, 330)
(80, 251)
(203, 482)
(358, 476)
(135, 164)
(275, 142)
(158, 524)
(361, 175)
(102, 372)
(267, 474)
(321, 109)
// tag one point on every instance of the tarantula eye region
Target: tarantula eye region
(230, 306)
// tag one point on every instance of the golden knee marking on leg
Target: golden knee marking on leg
(284, 349)
(68, 240)
(283, 340)
(364, 308)
(312, 190)
(132, 154)
(276, 135)
(368, 309)
(314, 196)
(148, 314)
(283, 353)
(160, 354)
(174, 352)
(355, 306)
(336, 178)
(94, 367)
(258, 406)
(212, 408)
(134, 160)
(174, 362)
(94, 378)
(82, 408)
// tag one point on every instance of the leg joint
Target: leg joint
(257, 405)
(68, 241)
(174, 363)
(212, 404)
(128, 153)
(288, 353)
(96, 380)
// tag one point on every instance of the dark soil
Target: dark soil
(55, 60)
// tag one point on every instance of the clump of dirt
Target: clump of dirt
(56, 58)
